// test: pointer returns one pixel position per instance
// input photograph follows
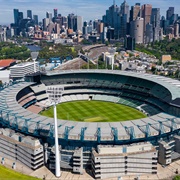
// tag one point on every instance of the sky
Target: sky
(88, 9)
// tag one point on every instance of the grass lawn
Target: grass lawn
(73, 49)
(94, 111)
(8, 174)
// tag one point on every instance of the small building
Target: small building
(6, 63)
(166, 58)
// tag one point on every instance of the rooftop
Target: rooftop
(6, 62)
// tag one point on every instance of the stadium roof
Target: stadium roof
(6, 62)
(28, 122)
(171, 84)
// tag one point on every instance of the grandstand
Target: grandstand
(156, 96)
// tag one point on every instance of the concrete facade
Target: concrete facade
(165, 151)
(137, 30)
(114, 161)
(24, 149)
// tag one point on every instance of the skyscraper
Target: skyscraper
(20, 16)
(49, 16)
(55, 13)
(35, 17)
(29, 14)
(78, 23)
(137, 30)
(125, 10)
(155, 21)
(146, 11)
(16, 17)
(46, 22)
(135, 12)
(112, 18)
(169, 13)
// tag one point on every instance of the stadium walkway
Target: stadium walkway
(163, 173)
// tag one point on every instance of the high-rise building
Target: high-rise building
(112, 19)
(155, 21)
(169, 13)
(29, 14)
(55, 13)
(78, 23)
(16, 17)
(46, 22)
(75, 22)
(125, 10)
(135, 12)
(49, 16)
(129, 43)
(20, 16)
(149, 33)
(137, 30)
(35, 17)
(71, 21)
(176, 30)
(146, 11)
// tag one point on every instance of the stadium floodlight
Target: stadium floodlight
(34, 56)
(54, 94)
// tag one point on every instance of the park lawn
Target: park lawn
(94, 111)
(8, 174)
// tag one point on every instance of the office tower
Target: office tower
(85, 24)
(16, 17)
(176, 30)
(137, 30)
(110, 33)
(46, 22)
(85, 31)
(65, 21)
(155, 21)
(95, 24)
(55, 13)
(149, 33)
(35, 17)
(173, 19)
(112, 17)
(110, 13)
(169, 13)
(129, 43)
(104, 34)
(146, 11)
(71, 19)
(125, 10)
(29, 14)
(20, 16)
(49, 16)
(78, 23)
(135, 12)
(100, 27)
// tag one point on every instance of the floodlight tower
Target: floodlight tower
(34, 56)
(55, 94)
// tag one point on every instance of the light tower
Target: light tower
(34, 56)
(54, 95)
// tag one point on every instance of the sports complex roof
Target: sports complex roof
(15, 116)
(171, 84)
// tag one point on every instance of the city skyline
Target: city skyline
(92, 10)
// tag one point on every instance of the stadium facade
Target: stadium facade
(80, 142)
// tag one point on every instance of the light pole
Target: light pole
(54, 95)
(34, 56)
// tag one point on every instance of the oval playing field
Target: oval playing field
(94, 111)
